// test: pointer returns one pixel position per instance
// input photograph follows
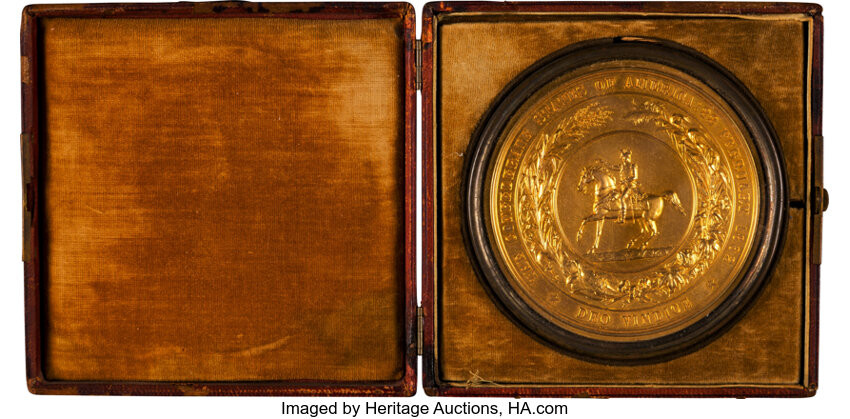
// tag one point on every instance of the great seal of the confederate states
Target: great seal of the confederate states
(624, 200)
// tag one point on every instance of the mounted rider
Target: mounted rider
(627, 183)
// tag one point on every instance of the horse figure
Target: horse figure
(645, 209)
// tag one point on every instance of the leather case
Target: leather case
(219, 198)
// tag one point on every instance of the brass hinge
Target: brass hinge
(420, 330)
(26, 74)
(417, 58)
(28, 199)
(820, 198)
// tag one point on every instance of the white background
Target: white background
(831, 400)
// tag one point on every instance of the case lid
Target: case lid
(218, 198)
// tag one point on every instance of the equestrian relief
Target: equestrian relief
(617, 196)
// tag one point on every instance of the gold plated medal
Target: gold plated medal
(625, 200)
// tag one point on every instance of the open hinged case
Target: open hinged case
(219, 198)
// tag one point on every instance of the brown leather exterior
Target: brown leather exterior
(219, 206)
(766, 354)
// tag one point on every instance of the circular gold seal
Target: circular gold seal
(623, 200)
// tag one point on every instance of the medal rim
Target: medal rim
(770, 224)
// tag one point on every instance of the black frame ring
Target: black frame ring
(770, 229)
